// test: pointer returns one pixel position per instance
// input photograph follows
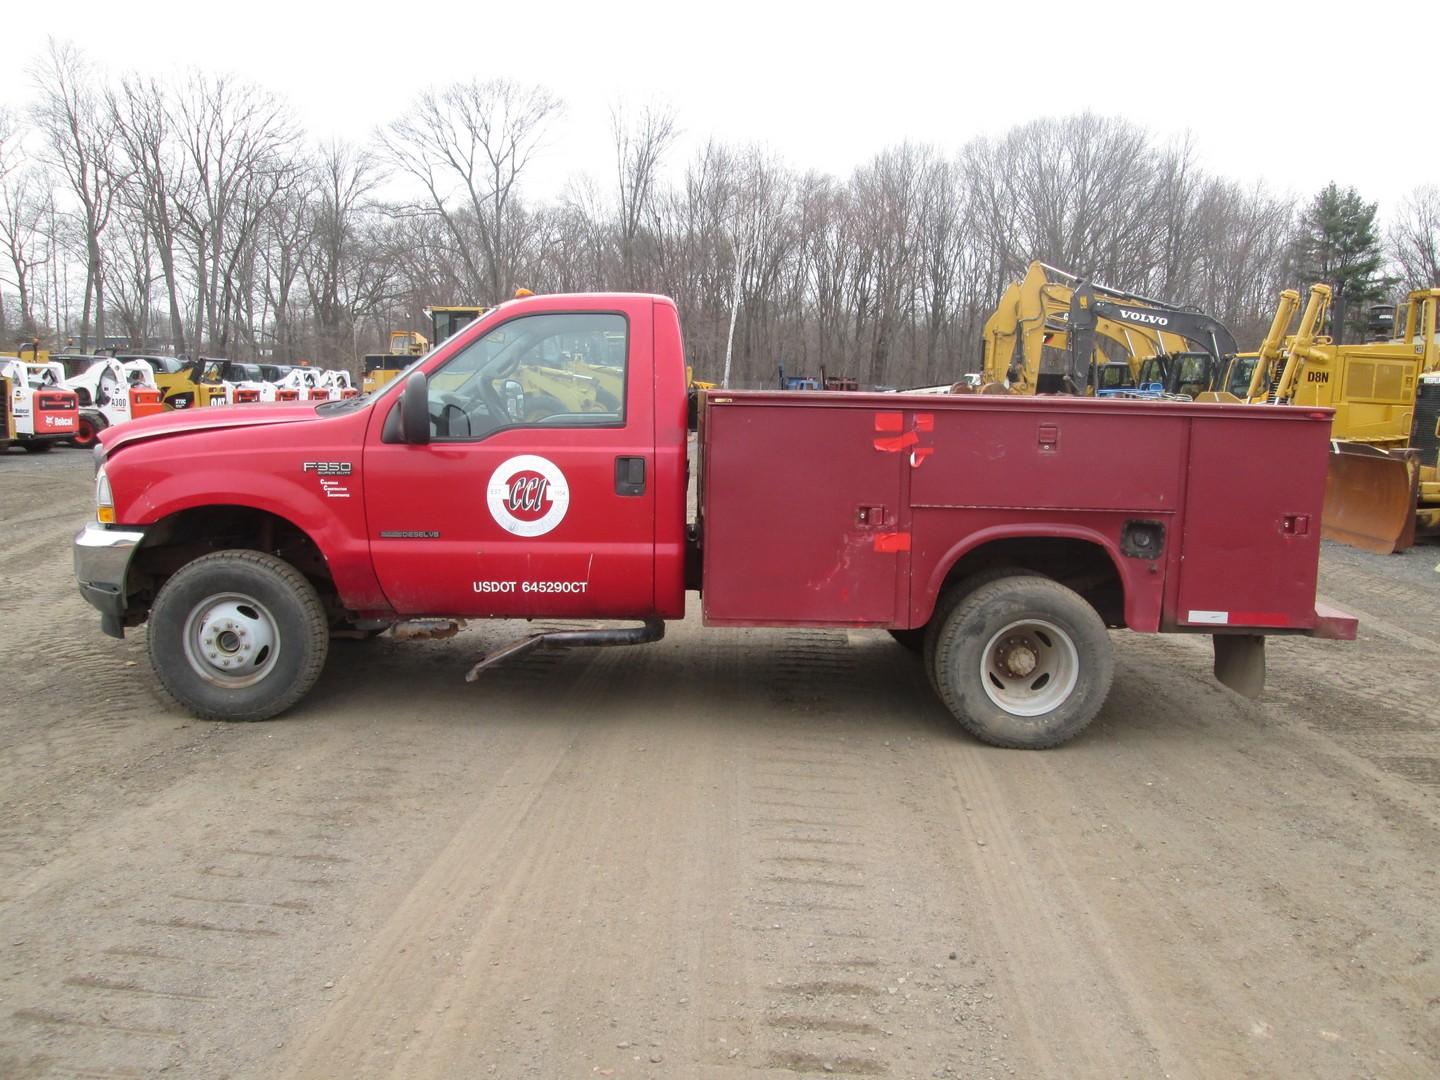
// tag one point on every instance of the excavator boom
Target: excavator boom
(1089, 304)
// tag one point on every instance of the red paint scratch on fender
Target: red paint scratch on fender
(896, 541)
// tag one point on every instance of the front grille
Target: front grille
(1427, 416)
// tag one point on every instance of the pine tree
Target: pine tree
(1338, 244)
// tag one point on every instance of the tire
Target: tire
(87, 434)
(947, 603)
(37, 447)
(910, 640)
(1021, 662)
(258, 618)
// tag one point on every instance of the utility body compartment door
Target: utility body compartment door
(1254, 492)
(803, 514)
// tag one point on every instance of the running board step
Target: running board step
(652, 630)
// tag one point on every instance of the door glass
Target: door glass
(563, 370)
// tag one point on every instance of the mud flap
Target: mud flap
(1240, 663)
(1370, 497)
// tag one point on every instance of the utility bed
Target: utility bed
(851, 509)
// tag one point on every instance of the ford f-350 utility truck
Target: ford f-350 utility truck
(999, 536)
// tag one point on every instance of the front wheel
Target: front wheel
(238, 635)
(1022, 662)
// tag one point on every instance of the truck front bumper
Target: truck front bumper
(102, 561)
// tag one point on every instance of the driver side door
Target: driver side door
(534, 495)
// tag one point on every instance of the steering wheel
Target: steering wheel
(493, 401)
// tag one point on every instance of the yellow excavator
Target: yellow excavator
(1043, 338)
(1383, 484)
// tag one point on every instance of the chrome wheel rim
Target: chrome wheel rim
(1030, 667)
(231, 640)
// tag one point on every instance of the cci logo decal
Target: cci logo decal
(528, 495)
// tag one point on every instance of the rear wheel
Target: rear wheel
(87, 433)
(238, 635)
(1021, 662)
(948, 601)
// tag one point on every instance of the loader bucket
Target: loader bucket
(1370, 497)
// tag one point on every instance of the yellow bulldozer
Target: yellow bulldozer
(380, 368)
(1383, 485)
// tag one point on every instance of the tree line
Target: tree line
(193, 215)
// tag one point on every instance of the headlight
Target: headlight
(104, 501)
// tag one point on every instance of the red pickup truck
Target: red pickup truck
(536, 465)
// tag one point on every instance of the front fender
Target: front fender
(155, 480)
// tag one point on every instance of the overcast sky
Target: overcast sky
(1285, 93)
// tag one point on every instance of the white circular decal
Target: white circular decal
(528, 495)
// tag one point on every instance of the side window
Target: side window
(563, 370)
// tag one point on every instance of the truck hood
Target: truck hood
(184, 421)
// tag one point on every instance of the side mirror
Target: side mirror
(415, 410)
(514, 400)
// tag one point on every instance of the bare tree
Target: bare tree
(1415, 238)
(640, 145)
(344, 280)
(25, 210)
(68, 114)
(140, 112)
(205, 224)
(130, 254)
(238, 142)
(469, 144)
(280, 249)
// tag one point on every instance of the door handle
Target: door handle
(629, 476)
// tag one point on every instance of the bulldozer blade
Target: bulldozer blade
(1370, 498)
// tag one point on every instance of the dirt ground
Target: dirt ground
(733, 854)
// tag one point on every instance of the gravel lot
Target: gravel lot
(731, 854)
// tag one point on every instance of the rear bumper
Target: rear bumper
(1334, 624)
(102, 561)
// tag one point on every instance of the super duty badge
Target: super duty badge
(328, 468)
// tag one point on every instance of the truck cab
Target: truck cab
(518, 505)
(448, 493)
